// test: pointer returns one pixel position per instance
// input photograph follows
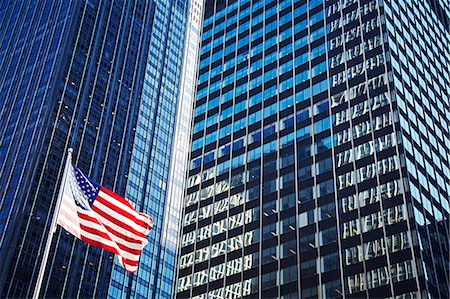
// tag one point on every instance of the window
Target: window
(287, 201)
(319, 69)
(329, 262)
(313, 19)
(302, 77)
(308, 268)
(322, 145)
(288, 274)
(288, 249)
(327, 211)
(303, 133)
(324, 188)
(327, 236)
(321, 125)
(269, 280)
(320, 87)
(305, 218)
(323, 166)
(317, 51)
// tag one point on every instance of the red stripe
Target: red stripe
(124, 213)
(110, 229)
(117, 222)
(105, 236)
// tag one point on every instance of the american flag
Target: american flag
(103, 219)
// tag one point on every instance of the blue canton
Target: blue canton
(87, 190)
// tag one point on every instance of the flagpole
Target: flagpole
(37, 289)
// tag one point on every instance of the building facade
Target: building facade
(102, 77)
(319, 163)
(158, 163)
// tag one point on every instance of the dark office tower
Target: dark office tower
(319, 163)
(418, 34)
(101, 77)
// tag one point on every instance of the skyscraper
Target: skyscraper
(166, 146)
(319, 162)
(102, 77)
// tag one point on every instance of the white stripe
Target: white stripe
(68, 226)
(68, 217)
(67, 210)
(123, 207)
(120, 217)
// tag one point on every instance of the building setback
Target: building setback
(101, 77)
(320, 152)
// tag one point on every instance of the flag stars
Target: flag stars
(84, 191)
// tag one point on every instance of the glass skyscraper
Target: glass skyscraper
(102, 77)
(320, 151)
(159, 159)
